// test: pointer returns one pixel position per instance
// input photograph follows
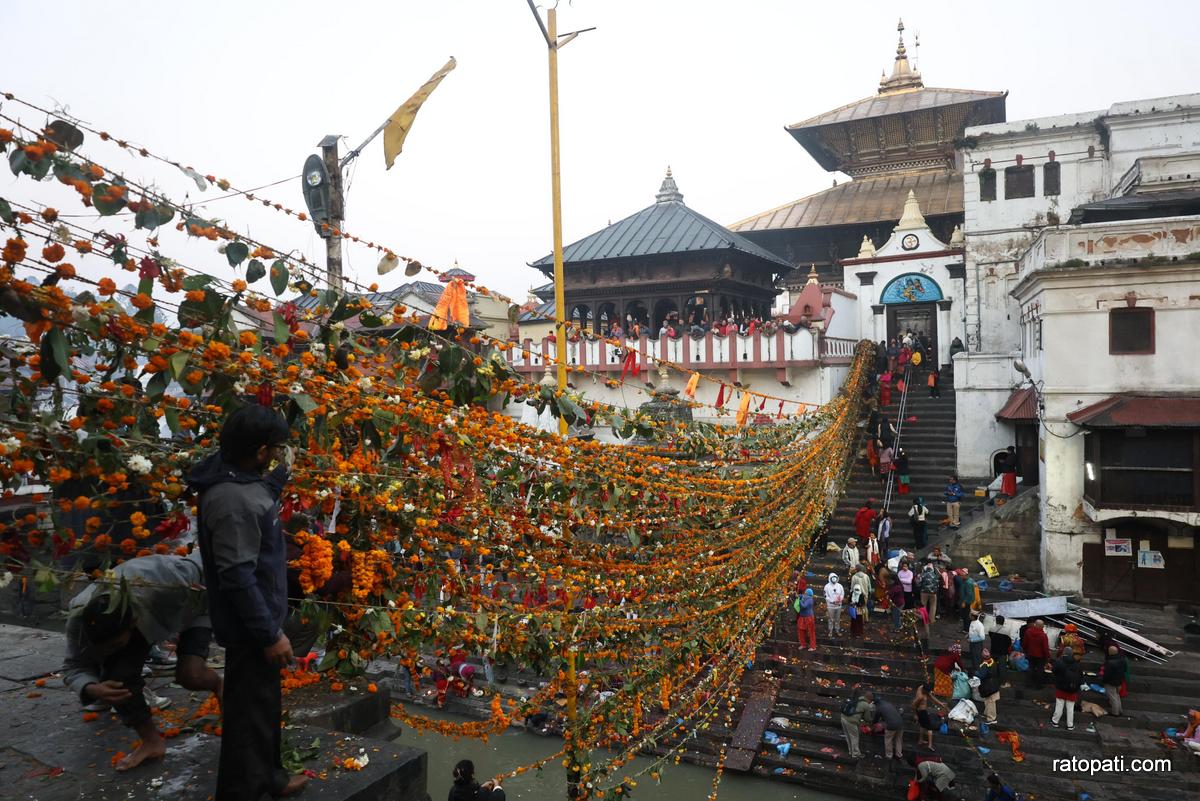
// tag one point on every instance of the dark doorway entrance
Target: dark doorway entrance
(1027, 454)
(1120, 578)
(915, 317)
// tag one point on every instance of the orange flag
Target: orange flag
(690, 390)
(743, 411)
(451, 307)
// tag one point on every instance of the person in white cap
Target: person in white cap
(835, 594)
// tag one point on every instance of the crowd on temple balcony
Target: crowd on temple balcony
(675, 327)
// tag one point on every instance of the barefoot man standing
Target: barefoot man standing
(111, 627)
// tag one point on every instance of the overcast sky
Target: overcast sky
(245, 90)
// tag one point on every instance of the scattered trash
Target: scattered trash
(983, 750)
(783, 748)
(783, 722)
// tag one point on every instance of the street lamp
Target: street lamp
(314, 183)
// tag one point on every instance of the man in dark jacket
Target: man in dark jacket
(893, 728)
(1116, 668)
(1037, 650)
(1001, 645)
(242, 547)
(989, 686)
(1068, 674)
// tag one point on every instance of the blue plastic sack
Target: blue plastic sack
(770, 737)
(981, 584)
(983, 750)
(1096, 688)
(943, 729)
(1005, 585)
(783, 748)
(1172, 733)
(983, 729)
(893, 553)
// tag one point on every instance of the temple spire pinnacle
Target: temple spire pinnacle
(669, 191)
(903, 75)
(912, 219)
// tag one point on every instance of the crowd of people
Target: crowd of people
(675, 325)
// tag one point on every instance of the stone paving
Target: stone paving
(49, 753)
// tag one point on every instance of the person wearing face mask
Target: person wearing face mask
(835, 594)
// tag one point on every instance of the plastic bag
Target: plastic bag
(853, 612)
(914, 790)
(964, 711)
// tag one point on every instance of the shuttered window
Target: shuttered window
(1051, 179)
(1018, 182)
(1131, 331)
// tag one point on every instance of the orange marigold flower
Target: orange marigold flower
(83, 246)
(6, 136)
(247, 338)
(129, 545)
(14, 251)
(89, 717)
(106, 286)
(195, 295)
(95, 171)
(138, 518)
(65, 270)
(53, 252)
(142, 301)
(239, 285)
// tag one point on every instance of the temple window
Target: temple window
(987, 184)
(1051, 178)
(1018, 181)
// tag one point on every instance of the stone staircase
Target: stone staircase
(809, 687)
(929, 441)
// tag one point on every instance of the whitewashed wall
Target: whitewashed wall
(982, 384)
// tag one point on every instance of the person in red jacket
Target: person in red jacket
(1037, 650)
(862, 521)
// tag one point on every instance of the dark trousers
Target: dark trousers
(125, 666)
(918, 528)
(1037, 672)
(964, 616)
(250, 763)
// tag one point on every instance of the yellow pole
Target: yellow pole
(560, 311)
(571, 693)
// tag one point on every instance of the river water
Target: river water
(679, 782)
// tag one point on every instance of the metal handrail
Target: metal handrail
(900, 414)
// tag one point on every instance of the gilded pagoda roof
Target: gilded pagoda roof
(903, 101)
(864, 200)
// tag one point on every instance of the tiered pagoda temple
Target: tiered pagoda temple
(666, 259)
(901, 139)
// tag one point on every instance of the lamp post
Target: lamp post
(553, 43)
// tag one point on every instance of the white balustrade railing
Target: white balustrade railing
(801, 348)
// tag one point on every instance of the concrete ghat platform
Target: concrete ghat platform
(48, 753)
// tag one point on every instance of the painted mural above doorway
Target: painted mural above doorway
(911, 288)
